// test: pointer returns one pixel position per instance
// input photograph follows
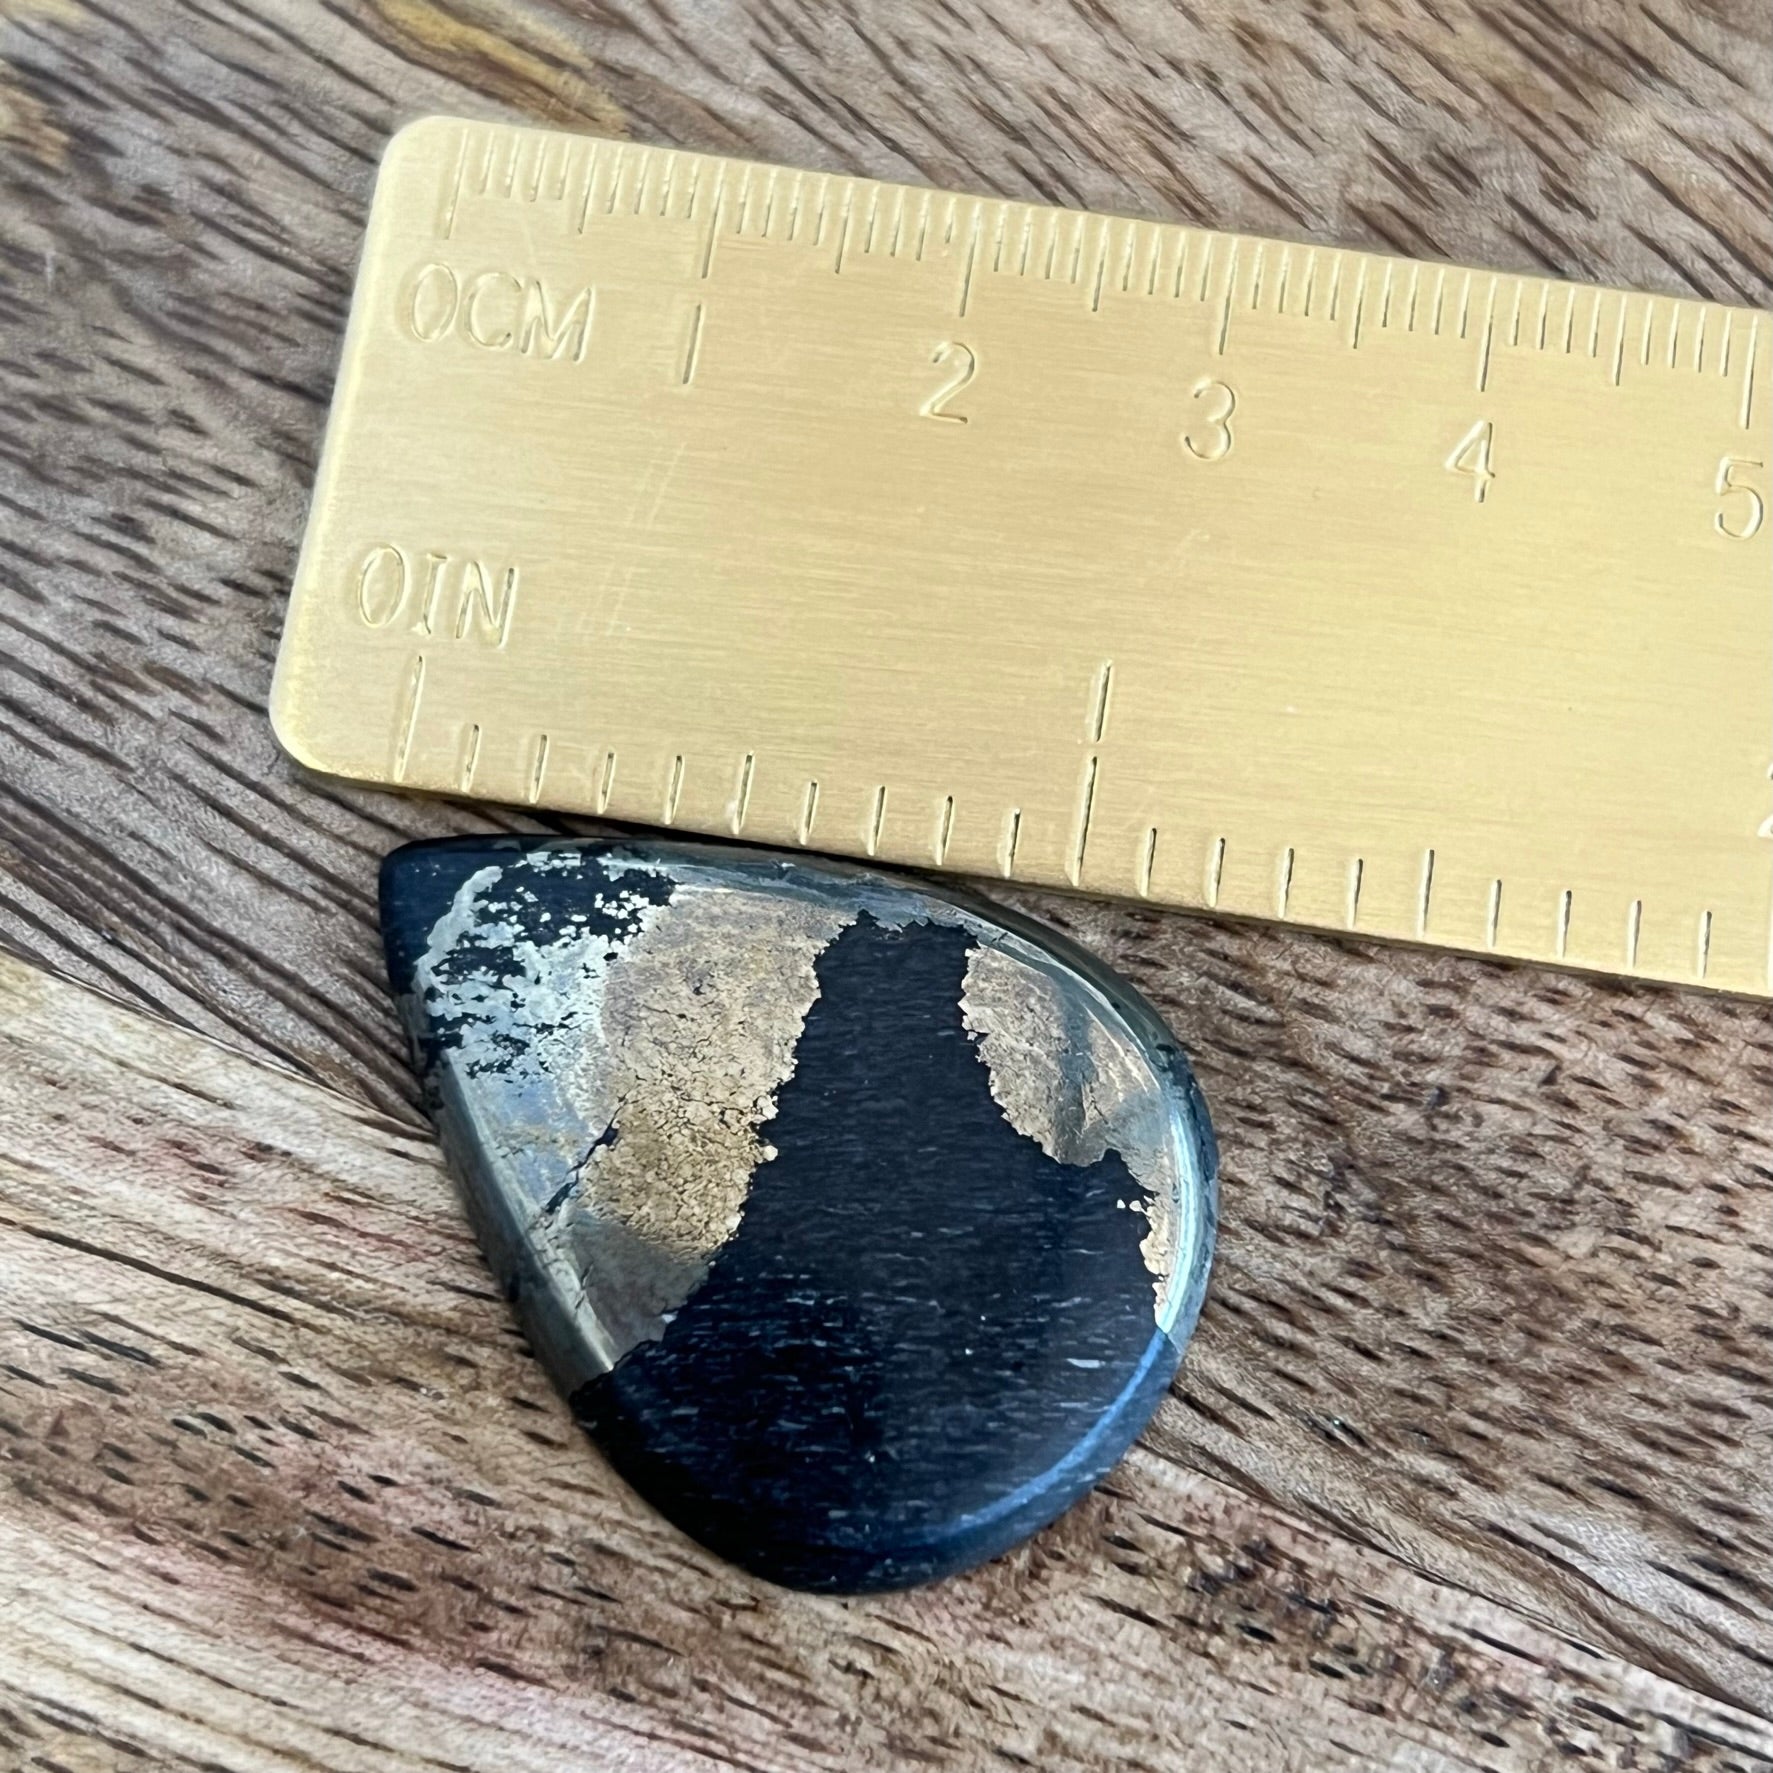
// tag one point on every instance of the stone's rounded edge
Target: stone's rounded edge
(419, 884)
(416, 884)
(877, 1563)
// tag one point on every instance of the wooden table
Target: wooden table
(1471, 1465)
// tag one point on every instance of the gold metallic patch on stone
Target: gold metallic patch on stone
(1067, 1079)
(685, 1036)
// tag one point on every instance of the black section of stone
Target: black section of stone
(926, 1338)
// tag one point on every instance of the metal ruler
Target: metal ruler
(1323, 586)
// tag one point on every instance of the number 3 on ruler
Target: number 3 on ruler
(1208, 438)
(1750, 503)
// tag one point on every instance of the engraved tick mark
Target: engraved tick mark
(944, 831)
(1489, 344)
(1360, 307)
(415, 689)
(1012, 840)
(1563, 936)
(1148, 863)
(1083, 820)
(843, 226)
(1493, 918)
(1284, 889)
(1704, 955)
(590, 176)
(966, 278)
(1427, 893)
(1619, 345)
(1181, 277)
(470, 756)
(538, 771)
(1225, 306)
(1101, 271)
(1215, 872)
(674, 790)
(693, 351)
(809, 811)
(714, 214)
(1078, 229)
(742, 794)
(1104, 688)
(608, 782)
(1356, 871)
(1748, 379)
(879, 819)
(1634, 924)
(453, 196)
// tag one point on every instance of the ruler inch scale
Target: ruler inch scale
(1273, 579)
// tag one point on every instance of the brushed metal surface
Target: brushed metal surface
(1297, 583)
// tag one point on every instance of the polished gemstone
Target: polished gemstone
(861, 1222)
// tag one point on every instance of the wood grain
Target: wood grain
(284, 1489)
(1487, 1351)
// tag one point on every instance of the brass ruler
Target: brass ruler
(1304, 584)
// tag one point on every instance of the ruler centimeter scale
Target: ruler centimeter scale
(1318, 585)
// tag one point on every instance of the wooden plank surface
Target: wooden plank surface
(285, 1484)
(1470, 1463)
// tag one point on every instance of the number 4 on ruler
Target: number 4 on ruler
(1475, 456)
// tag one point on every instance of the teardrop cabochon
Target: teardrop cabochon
(861, 1221)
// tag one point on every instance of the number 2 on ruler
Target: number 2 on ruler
(965, 367)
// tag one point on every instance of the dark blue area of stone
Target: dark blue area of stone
(926, 1338)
